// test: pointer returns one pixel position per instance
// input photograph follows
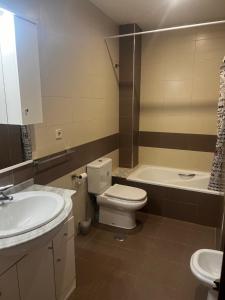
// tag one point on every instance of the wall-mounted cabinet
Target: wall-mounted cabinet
(20, 87)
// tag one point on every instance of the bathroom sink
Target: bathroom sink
(28, 211)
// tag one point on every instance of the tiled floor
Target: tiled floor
(151, 264)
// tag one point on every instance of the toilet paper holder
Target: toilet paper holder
(79, 178)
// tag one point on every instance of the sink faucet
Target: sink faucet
(3, 196)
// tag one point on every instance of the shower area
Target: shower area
(171, 114)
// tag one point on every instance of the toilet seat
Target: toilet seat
(124, 192)
(121, 203)
(206, 265)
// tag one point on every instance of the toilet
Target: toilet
(117, 203)
(206, 265)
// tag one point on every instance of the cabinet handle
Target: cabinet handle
(26, 111)
(58, 259)
(50, 248)
(65, 234)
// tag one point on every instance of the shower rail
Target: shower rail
(165, 29)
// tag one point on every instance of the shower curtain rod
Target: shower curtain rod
(165, 29)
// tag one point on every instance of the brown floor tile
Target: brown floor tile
(151, 264)
(146, 289)
(180, 233)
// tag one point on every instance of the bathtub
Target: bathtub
(175, 178)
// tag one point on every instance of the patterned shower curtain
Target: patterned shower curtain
(216, 179)
(26, 143)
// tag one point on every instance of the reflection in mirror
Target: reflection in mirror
(15, 145)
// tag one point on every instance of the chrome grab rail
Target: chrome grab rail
(47, 160)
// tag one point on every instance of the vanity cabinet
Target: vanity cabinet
(36, 275)
(20, 87)
(47, 273)
(9, 289)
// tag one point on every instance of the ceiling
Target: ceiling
(151, 14)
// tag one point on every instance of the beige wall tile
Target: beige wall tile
(152, 89)
(177, 92)
(180, 80)
(210, 48)
(179, 68)
(180, 90)
(191, 160)
(210, 32)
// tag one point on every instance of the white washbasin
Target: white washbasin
(28, 211)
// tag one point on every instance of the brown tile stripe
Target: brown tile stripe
(59, 165)
(17, 176)
(77, 157)
(184, 205)
(181, 141)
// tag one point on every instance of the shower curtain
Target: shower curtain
(26, 143)
(216, 178)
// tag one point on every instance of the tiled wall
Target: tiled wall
(11, 149)
(80, 91)
(79, 88)
(189, 206)
(180, 90)
(129, 92)
(83, 205)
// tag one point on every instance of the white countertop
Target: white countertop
(31, 235)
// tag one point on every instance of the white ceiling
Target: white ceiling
(151, 14)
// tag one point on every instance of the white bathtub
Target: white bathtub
(175, 178)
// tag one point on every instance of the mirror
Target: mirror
(15, 145)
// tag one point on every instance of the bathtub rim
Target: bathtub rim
(133, 177)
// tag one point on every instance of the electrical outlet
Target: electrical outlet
(58, 134)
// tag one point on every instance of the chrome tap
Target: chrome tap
(3, 196)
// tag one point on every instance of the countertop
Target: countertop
(31, 235)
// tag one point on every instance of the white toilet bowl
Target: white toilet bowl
(206, 265)
(118, 204)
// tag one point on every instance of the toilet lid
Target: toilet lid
(126, 192)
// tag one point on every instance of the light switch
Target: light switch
(58, 134)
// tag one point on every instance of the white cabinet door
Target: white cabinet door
(3, 110)
(20, 66)
(9, 289)
(36, 275)
(6, 262)
(29, 72)
(64, 260)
